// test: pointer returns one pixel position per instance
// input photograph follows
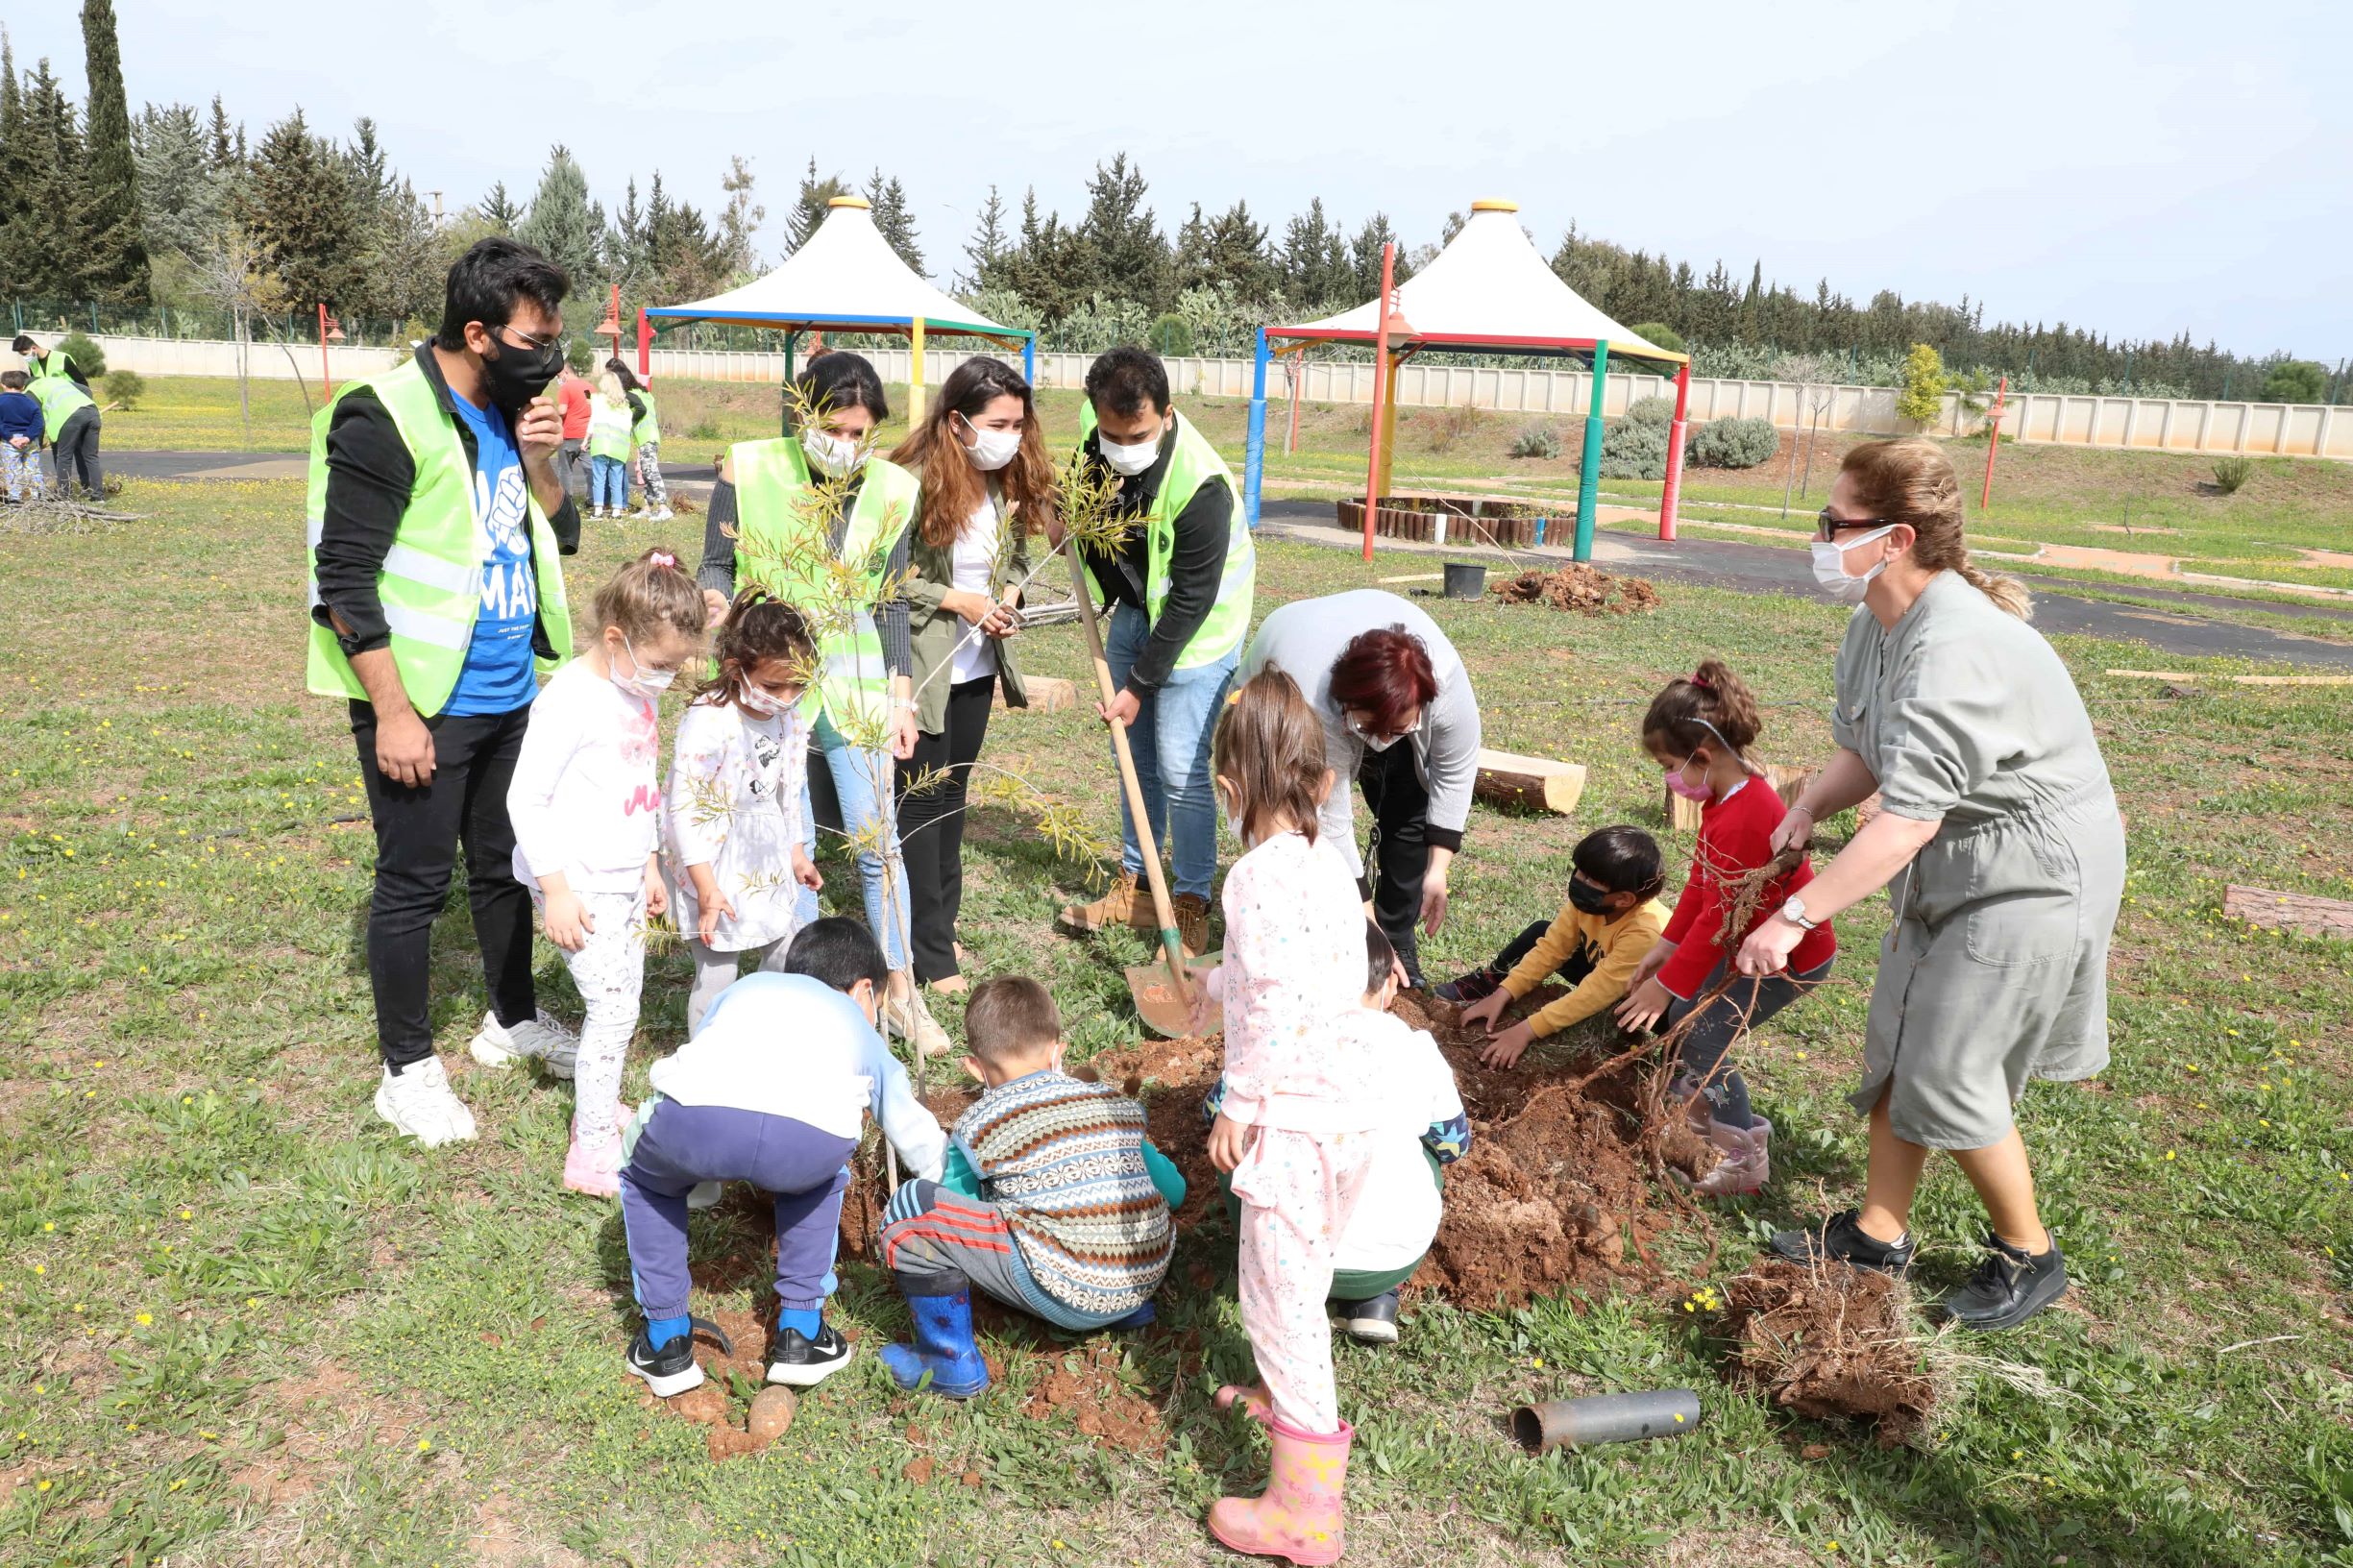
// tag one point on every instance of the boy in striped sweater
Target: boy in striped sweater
(1052, 1202)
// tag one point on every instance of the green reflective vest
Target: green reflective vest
(781, 546)
(1192, 463)
(55, 364)
(60, 400)
(647, 431)
(608, 430)
(431, 579)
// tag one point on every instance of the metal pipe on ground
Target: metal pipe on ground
(1606, 1419)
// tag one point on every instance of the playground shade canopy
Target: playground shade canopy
(1488, 290)
(846, 278)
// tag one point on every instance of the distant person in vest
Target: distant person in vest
(784, 511)
(1399, 718)
(645, 433)
(1179, 591)
(437, 516)
(69, 416)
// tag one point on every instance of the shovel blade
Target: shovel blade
(1155, 994)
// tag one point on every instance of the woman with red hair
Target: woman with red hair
(1399, 718)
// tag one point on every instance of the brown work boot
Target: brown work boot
(1119, 906)
(1192, 918)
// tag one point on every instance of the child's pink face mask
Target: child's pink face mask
(1677, 783)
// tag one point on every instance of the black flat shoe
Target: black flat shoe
(1842, 1239)
(1476, 986)
(1371, 1322)
(2009, 1286)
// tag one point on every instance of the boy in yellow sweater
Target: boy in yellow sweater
(1611, 920)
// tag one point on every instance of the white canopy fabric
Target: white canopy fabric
(1489, 288)
(845, 276)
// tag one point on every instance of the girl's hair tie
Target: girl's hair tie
(1701, 681)
(663, 558)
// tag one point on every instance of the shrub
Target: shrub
(705, 428)
(1658, 334)
(123, 388)
(1635, 446)
(1735, 443)
(2230, 472)
(2294, 381)
(1171, 336)
(1659, 411)
(1538, 440)
(1922, 395)
(578, 355)
(87, 357)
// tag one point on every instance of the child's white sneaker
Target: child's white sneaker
(420, 1104)
(704, 1195)
(540, 1037)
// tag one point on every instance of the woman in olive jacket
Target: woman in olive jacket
(987, 482)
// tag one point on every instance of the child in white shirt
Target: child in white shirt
(736, 778)
(586, 807)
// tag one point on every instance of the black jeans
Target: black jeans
(572, 462)
(1573, 968)
(1400, 850)
(417, 835)
(931, 825)
(76, 450)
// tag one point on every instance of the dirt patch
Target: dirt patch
(1084, 1384)
(1834, 1343)
(1581, 588)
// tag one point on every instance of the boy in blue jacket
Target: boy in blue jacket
(20, 435)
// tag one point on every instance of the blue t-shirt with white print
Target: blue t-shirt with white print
(497, 677)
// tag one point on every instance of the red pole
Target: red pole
(327, 386)
(615, 318)
(1993, 443)
(1381, 365)
(645, 346)
(1674, 490)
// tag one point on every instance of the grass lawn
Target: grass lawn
(245, 1325)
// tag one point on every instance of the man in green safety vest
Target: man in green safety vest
(1179, 591)
(69, 416)
(437, 516)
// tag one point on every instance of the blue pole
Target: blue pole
(1589, 461)
(1254, 462)
(1029, 360)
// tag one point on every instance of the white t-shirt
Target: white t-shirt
(1398, 1213)
(735, 790)
(585, 799)
(974, 562)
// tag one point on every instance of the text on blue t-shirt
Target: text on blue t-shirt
(497, 677)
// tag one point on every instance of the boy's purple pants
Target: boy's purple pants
(680, 1146)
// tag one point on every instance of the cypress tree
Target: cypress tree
(16, 189)
(564, 225)
(113, 259)
(302, 214)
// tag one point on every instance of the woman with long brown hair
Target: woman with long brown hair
(987, 480)
(1998, 838)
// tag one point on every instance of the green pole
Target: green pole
(1589, 464)
(791, 340)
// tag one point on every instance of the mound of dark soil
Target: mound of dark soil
(1581, 588)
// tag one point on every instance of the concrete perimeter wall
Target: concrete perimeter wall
(2068, 419)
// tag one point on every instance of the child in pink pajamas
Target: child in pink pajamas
(1301, 1120)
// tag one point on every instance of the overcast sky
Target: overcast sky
(2136, 168)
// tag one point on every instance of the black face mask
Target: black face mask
(515, 376)
(1592, 900)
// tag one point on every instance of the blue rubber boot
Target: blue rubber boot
(1143, 1317)
(942, 1345)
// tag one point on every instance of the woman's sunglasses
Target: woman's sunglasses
(1827, 526)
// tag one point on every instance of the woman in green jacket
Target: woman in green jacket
(985, 482)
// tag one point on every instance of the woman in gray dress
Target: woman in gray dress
(1999, 839)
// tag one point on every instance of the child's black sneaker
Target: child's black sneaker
(799, 1361)
(1476, 986)
(1372, 1322)
(2010, 1287)
(669, 1367)
(1842, 1239)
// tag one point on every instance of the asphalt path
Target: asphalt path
(1710, 562)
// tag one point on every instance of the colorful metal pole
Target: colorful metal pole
(615, 318)
(1297, 367)
(785, 421)
(1674, 491)
(1992, 442)
(645, 345)
(1380, 360)
(1254, 453)
(327, 387)
(1589, 461)
(1029, 361)
(1389, 435)
(914, 376)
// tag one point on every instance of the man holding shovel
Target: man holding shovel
(1179, 588)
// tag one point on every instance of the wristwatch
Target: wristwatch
(1794, 912)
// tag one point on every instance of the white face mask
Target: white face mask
(1830, 566)
(648, 684)
(1381, 742)
(761, 703)
(1128, 461)
(835, 454)
(991, 450)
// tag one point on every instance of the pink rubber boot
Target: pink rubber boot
(1298, 1517)
(593, 1163)
(1746, 1165)
(1253, 1401)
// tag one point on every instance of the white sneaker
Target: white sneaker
(704, 1195)
(664, 515)
(907, 1017)
(420, 1104)
(501, 1045)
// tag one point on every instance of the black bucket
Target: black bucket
(1465, 580)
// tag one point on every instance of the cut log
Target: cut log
(1047, 694)
(1506, 779)
(2289, 912)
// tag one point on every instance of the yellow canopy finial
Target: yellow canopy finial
(849, 201)
(1494, 204)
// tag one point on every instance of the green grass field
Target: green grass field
(244, 1325)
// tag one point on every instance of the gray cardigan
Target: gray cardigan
(1305, 637)
(936, 630)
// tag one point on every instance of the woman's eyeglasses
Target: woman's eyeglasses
(1827, 526)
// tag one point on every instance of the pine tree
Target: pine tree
(738, 221)
(15, 176)
(987, 246)
(220, 150)
(46, 166)
(403, 271)
(1316, 269)
(113, 263)
(500, 211)
(810, 205)
(1125, 255)
(301, 214)
(628, 259)
(177, 198)
(372, 183)
(1364, 256)
(564, 225)
(896, 225)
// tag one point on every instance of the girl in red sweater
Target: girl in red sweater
(1700, 730)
